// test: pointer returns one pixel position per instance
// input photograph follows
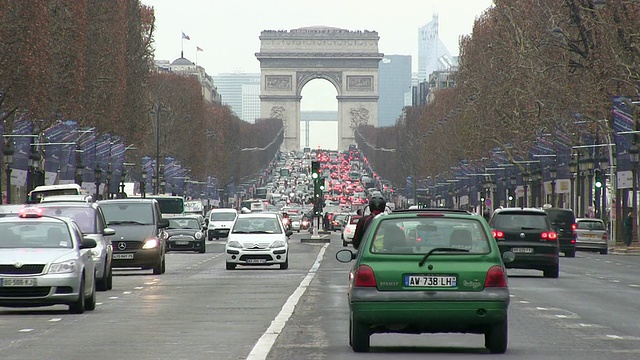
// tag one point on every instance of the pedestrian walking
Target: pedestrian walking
(628, 229)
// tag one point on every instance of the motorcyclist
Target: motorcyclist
(377, 205)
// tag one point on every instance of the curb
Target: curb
(320, 240)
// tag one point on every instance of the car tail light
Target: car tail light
(604, 237)
(496, 277)
(549, 235)
(347, 230)
(574, 226)
(365, 277)
(419, 239)
(497, 234)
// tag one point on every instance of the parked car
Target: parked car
(527, 233)
(219, 222)
(92, 223)
(184, 233)
(591, 235)
(563, 222)
(258, 239)
(141, 239)
(397, 286)
(349, 228)
(45, 260)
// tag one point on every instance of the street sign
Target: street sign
(487, 202)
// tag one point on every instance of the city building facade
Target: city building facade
(394, 89)
(184, 66)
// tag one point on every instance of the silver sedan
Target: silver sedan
(45, 261)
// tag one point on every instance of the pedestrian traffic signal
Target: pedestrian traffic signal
(598, 179)
(315, 169)
(321, 182)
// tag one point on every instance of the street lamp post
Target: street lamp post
(513, 182)
(603, 164)
(79, 168)
(633, 157)
(107, 183)
(8, 152)
(157, 110)
(573, 167)
(97, 172)
(589, 166)
(143, 184)
(553, 174)
(525, 183)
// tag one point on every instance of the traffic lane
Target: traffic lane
(318, 329)
(205, 312)
(589, 294)
(16, 324)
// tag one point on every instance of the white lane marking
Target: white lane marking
(99, 303)
(149, 283)
(541, 309)
(608, 261)
(511, 295)
(618, 264)
(561, 316)
(126, 292)
(113, 297)
(26, 330)
(56, 319)
(139, 287)
(188, 267)
(614, 337)
(634, 285)
(262, 348)
(615, 281)
(585, 325)
(524, 302)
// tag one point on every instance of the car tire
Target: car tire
(77, 307)
(203, 249)
(90, 302)
(344, 243)
(604, 251)
(285, 264)
(551, 272)
(231, 266)
(110, 279)
(570, 253)
(360, 336)
(160, 269)
(496, 338)
(101, 284)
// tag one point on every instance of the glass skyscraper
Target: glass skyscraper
(394, 87)
(241, 91)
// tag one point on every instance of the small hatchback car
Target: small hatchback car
(258, 239)
(452, 281)
(185, 234)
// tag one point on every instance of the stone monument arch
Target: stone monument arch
(289, 59)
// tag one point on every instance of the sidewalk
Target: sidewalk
(621, 249)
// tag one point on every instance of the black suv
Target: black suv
(141, 240)
(529, 235)
(563, 222)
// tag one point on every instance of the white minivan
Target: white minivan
(219, 222)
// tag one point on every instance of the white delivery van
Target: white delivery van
(219, 222)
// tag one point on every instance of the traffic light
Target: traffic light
(315, 169)
(321, 182)
(598, 179)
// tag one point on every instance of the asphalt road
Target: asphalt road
(199, 310)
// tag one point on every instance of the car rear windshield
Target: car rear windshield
(561, 218)
(590, 225)
(519, 221)
(223, 216)
(85, 217)
(354, 220)
(418, 236)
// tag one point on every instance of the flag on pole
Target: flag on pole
(185, 36)
(198, 48)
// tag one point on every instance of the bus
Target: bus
(169, 205)
(39, 192)
(261, 193)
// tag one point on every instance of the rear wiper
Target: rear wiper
(529, 228)
(424, 258)
(120, 222)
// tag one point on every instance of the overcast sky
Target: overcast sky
(228, 30)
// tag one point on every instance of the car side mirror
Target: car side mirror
(88, 243)
(108, 232)
(163, 223)
(345, 255)
(508, 257)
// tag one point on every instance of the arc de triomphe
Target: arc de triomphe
(347, 59)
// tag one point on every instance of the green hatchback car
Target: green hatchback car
(447, 277)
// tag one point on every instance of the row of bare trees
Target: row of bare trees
(92, 61)
(529, 67)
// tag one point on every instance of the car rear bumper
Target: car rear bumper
(534, 261)
(218, 232)
(426, 311)
(591, 245)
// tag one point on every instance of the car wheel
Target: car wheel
(203, 249)
(231, 266)
(360, 336)
(604, 251)
(496, 338)
(77, 307)
(101, 284)
(90, 302)
(285, 264)
(570, 253)
(110, 279)
(344, 243)
(552, 272)
(160, 269)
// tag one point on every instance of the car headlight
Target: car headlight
(151, 243)
(277, 244)
(198, 235)
(63, 267)
(164, 235)
(234, 244)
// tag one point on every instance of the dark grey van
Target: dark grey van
(563, 222)
(141, 240)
